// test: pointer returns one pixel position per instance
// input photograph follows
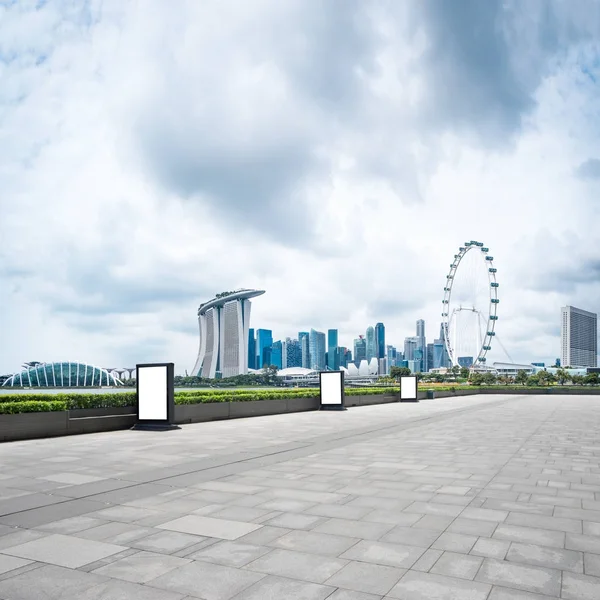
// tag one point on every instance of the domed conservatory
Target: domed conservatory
(61, 374)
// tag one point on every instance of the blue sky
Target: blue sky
(334, 154)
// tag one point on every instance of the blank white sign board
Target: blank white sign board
(152, 393)
(332, 389)
(408, 388)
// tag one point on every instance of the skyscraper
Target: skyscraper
(224, 324)
(579, 337)
(293, 353)
(360, 349)
(380, 340)
(277, 354)
(264, 341)
(410, 345)
(429, 356)
(303, 338)
(251, 349)
(317, 350)
(333, 357)
(370, 343)
(421, 348)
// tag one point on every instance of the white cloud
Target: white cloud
(150, 158)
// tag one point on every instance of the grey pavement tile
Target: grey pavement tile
(590, 528)
(577, 514)
(428, 586)
(501, 593)
(522, 577)
(429, 558)
(286, 505)
(457, 565)
(280, 587)
(209, 527)
(263, 536)
(484, 514)
(295, 521)
(125, 514)
(393, 517)
(141, 566)
(206, 580)
(431, 508)
(64, 551)
(411, 536)
(490, 548)
(592, 564)
(455, 542)
(580, 587)
(10, 563)
(555, 558)
(531, 535)
(49, 583)
(20, 536)
(72, 478)
(352, 595)
(519, 507)
(341, 511)
(314, 542)
(247, 514)
(473, 527)
(230, 554)
(542, 522)
(367, 578)
(373, 502)
(229, 486)
(115, 533)
(433, 522)
(583, 543)
(166, 542)
(392, 555)
(358, 529)
(123, 590)
(71, 525)
(297, 565)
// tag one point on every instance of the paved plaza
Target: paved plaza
(473, 498)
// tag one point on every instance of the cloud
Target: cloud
(589, 169)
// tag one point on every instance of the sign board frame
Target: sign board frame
(408, 388)
(331, 395)
(155, 395)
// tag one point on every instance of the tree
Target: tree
(464, 373)
(578, 379)
(489, 378)
(455, 370)
(397, 372)
(476, 378)
(521, 377)
(533, 380)
(562, 376)
(269, 374)
(545, 378)
(591, 379)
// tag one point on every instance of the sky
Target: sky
(335, 154)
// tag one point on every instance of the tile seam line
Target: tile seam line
(410, 424)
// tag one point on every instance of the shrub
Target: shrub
(13, 408)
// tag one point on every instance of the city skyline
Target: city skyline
(348, 153)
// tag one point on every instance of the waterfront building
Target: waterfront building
(61, 374)
(277, 354)
(413, 365)
(303, 337)
(360, 349)
(251, 349)
(264, 344)
(579, 337)
(410, 345)
(224, 324)
(293, 353)
(370, 349)
(429, 356)
(333, 356)
(380, 340)
(317, 346)
(421, 345)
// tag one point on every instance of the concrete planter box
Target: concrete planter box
(96, 424)
(258, 408)
(101, 412)
(302, 404)
(33, 425)
(198, 413)
(370, 400)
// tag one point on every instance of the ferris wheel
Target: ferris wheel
(470, 305)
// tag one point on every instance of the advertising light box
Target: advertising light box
(408, 388)
(332, 389)
(155, 394)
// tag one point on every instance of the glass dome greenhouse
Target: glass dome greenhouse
(62, 374)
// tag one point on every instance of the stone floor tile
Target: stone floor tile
(580, 587)
(543, 522)
(592, 564)
(411, 536)
(357, 529)
(457, 565)
(314, 542)
(209, 527)
(263, 536)
(352, 595)
(431, 508)
(295, 521)
(10, 563)
(297, 565)
(341, 511)
(455, 542)
(71, 525)
(489, 548)
(473, 527)
(583, 543)
(428, 586)
(64, 551)
(433, 522)
(115, 533)
(124, 590)
(393, 517)
(502, 593)
(522, 577)
(484, 514)
(367, 578)
(554, 558)
(429, 558)
(531, 535)
(230, 554)
(167, 542)
(141, 566)
(282, 588)
(20, 536)
(125, 514)
(246, 514)
(392, 555)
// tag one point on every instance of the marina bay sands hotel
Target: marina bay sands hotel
(224, 325)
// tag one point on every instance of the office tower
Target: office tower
(293, 353)
(360, 350)
(317, 343)
(333, 357)
(429, 356)
(445, 357)
(421, 345)
(579, 337)
(391, 354)
(264, 341)
(465, 361)
(420, 328)
(251, 349)
(439, 350)
(277, 354)
(224, 324)
(370, 343)
(382, 363)
(410, 345)
(380, 340)
(303, 338)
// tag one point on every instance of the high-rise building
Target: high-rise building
(410, 345)
(429, 356)
(421, 345)
(391, 355)
(380, 340)
(264, 341)
(383, 368)
(303, 338)
(251, 349)
(371, 352)
(333, 356)
(293, 353)
(420, 328)
(317, 342)
(360, 349)
(579, 337)
(224, 324)
(277, 354)
(465, 361)
(438, 354)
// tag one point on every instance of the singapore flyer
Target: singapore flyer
(470, 306)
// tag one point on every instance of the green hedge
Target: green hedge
(13, 408)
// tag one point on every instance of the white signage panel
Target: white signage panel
(332, 388)
(408, 388)
(152, 393)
